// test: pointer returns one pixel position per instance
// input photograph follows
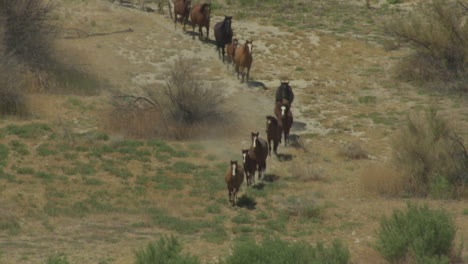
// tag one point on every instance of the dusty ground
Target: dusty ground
(329, 75)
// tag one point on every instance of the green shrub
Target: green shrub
(393, 2)
(166, 251)
(276, 251)
(33, 130)
(420, 232)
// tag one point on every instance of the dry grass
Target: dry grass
(353, 150)
(306, 171)
(382, 180)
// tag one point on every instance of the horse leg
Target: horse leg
(269, 144)
(200, 32)
(248, 73)
(222, 49)
(175, 20)
(275, 146)
(237, 71)
(207, 31)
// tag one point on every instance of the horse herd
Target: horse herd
(239, 55)
(254, 158)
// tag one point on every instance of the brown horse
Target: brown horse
(234, 178)
(285, 117)
(259, 152)
(231, 50)
(250, 166)
(243, 59)
(223, 34)
(182, 8)
(200, 15)
(273, 130)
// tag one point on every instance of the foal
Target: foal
(250, 166)
(231, 50)
(234, 178)
(285, 117)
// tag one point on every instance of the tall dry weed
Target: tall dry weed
(383, 181)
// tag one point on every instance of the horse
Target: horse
(234, 178)
(200, 15)
(284, 91)
(250, 166)
(243, 59)
(273, 130)
(223, 34)
(231, 50)
(285, 117)
(259, 152)
(182, 8)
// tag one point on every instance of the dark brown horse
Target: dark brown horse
(284, 91)
(200, 15)
(234, 178)
(259, 152)
(273, 130)
(243, 59)
(182, 8)
(223, 34)
(250, 166)
(231, 50)
(285, 117)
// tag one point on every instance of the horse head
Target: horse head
(254, 137)
(206, 6)
(227, 21)
(245, 152)
(284, 107)
(249, 45)
(233, 167)
(235, 41)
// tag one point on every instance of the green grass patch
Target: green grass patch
(166, 183)
(242, 218)
(25, 170)
(4, 151)
(273, 250)
(59, 258)
(12, 226)
(367, 99)
(45, 175)
(45, 149)
(19, 147)
(183, 167)
(93, 181)
(166, 251)
(32, 131)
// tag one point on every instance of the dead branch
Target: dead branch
(458, 140)
(79, 33)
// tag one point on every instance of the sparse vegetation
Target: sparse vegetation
(304, 207)
(431, 157)
(418, 235)
(166, 250)
(275, 250)
(353, 150)
(59, 258)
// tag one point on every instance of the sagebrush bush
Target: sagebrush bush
(28, 33)
(438, 33)
(430, 155)
(353, 150)
(304, 207)
(382, 180)
(185, 108)
(276, 251)
(420, 233)
(57, 259)
(166, 251)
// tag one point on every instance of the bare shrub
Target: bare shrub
(306, 171)
(382, 180)
(185, 108)
(432, 158)
(189, 100)
(437, 32)
(28, 33)
(353, 150)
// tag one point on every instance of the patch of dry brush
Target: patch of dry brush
(184, 108)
